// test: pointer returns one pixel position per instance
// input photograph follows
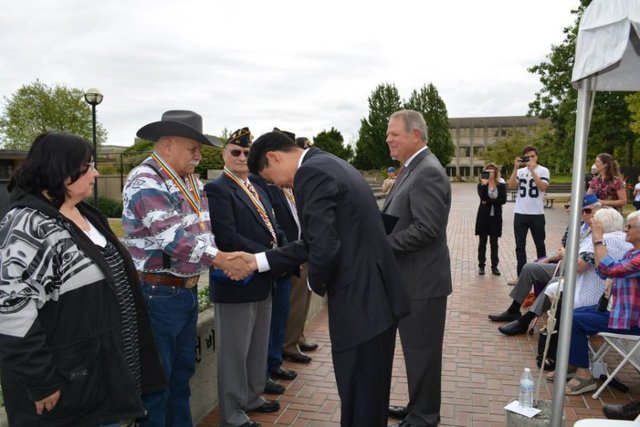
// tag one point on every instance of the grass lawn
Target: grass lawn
(116, 226)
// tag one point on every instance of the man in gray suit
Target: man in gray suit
(421, 199)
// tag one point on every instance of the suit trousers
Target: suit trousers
(242, 332)
(363, 377)
(531, 272)
(298, 311)
(279, 315)
(421, 334)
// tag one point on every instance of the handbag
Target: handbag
(603, 302)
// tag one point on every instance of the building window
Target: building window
(451, 171)
(478, 151)
(465, 171)
(464, 151)
(477, 170)
(6, 168)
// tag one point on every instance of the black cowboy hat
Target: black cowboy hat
(187, 124)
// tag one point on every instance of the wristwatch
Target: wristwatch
(598, 243)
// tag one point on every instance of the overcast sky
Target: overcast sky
(299, 65)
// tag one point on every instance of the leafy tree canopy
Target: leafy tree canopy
(332, 141)
(37, 108)
(434, 110)
(371, 148)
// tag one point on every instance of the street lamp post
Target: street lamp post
(93, 98)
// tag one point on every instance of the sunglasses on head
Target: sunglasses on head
(236, 152)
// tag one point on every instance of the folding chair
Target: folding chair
(626, 345)
(593, 422)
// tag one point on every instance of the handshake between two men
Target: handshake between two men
(236, 265)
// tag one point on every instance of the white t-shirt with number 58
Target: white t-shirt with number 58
(529, 199)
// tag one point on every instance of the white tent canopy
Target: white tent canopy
(608, 46)
(607, 58)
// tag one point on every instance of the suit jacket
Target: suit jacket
(486, 224)
(237, 226)
(348, 256)
(421, 199)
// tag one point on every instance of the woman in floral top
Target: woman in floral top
(608, 185)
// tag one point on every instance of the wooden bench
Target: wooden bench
(561, 192)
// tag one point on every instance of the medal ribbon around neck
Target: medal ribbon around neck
(255, 200)
(192, 196)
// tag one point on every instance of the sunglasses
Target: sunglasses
(587, 211)
(236, 153)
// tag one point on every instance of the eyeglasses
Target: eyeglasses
(88, 167)
(236, 152)
(627, 227)
(587, 211)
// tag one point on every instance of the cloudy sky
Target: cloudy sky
(299, 65)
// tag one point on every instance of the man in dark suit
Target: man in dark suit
(241, 218)
(349, 259)
(421, 199)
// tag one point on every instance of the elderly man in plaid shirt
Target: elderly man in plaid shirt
(168, 233)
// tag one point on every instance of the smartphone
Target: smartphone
(485, 175)
(524, 159)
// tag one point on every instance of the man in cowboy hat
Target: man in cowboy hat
(167, 231)
(242, 219)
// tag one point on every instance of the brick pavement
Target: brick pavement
(481, 367)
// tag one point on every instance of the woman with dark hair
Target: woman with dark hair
(493, 194)
(75, 343)
(608, 185)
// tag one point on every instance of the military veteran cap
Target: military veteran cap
(291, 135)
(184, 123)
(241, 137)
(303, 142)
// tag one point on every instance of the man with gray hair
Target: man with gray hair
(421, 200)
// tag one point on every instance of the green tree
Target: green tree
(332, 141)
(557, 100)
(434, 110)
(371, 149)
(37, 108)
(633, 104)
(506, 149)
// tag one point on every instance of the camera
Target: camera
(485, 175)
(524, 159)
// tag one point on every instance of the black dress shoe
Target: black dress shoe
(622, 412)
(514, 328)
(267, 407)
(284, 373)
(505, 317)
(250, 423)
(481, 271)
(399, 412)
(273, 387)
(495, 271)
(308, 347)
(297, 357)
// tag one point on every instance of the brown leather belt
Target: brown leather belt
(164, 279)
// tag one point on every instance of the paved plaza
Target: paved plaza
(481, 367)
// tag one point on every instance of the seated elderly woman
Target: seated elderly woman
(624, 317)
(589, 286)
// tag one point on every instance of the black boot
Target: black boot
(481, 270)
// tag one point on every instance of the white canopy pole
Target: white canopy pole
(583, 115)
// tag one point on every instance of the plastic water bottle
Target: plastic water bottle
(526, 389)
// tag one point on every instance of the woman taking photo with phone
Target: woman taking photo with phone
(493, 194)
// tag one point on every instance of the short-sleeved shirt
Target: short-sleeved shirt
(529, 199)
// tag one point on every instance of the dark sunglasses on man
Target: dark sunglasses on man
(236, 152)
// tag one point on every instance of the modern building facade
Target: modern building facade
(472, 135)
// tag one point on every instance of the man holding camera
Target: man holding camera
(531, 181)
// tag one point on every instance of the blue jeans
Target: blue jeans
(173, 313)
(588, 321)
(279, 316)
